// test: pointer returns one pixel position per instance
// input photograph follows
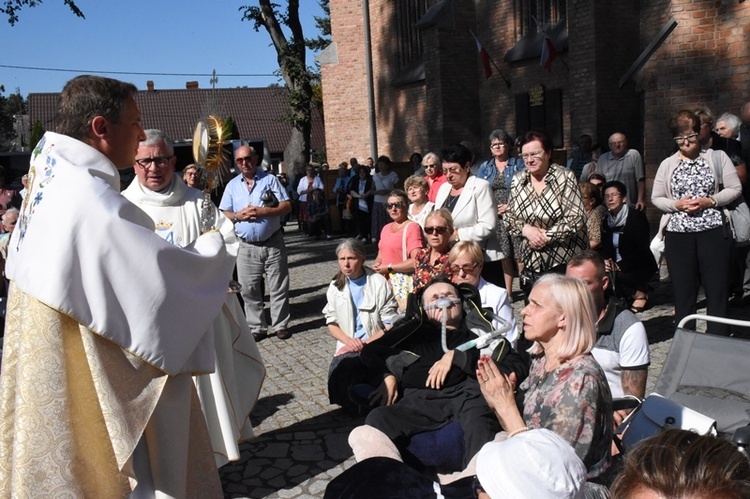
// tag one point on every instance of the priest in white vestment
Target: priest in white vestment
(180, 214)
(106, 322)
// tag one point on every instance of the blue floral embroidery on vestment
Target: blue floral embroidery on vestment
(36, 190)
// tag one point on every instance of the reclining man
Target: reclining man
(438, 386)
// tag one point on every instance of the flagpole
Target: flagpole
(507, 83)
(479, 44)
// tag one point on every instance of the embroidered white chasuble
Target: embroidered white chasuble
(106, 324)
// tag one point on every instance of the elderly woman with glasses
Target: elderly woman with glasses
(433, 171)
(545, 211)
(499, 172)
(698, 245)
(465, 261)
(432, 261)
(473, 207)
(629, 258)
(192, 176)
(400, 241)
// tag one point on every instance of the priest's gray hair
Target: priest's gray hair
(155, 137)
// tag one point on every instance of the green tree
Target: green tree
(230, 125)
(10, 107)
(11, 7)
(37, 131)
(292, 58)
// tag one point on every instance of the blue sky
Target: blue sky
(141, 36)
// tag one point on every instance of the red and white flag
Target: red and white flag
(549, 53)
(484, 56)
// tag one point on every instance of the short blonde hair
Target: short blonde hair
(443, 213)
(470, 248)
(416, 181)
(574, 300)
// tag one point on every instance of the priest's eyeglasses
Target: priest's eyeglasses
(159, 161)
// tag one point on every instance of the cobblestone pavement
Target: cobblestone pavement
(301, 440)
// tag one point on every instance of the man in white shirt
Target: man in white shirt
(622, 345)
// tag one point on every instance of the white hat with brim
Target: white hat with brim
(535, 463)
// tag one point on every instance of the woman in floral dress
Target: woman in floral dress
(566, 391)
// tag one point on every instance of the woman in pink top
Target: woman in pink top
(400, 241)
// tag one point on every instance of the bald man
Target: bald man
(625, 165)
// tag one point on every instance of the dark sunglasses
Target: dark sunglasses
(467, 269)
(436, 230)
(397, 204)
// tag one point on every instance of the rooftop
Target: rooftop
(257, 112)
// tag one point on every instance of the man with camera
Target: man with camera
(255, 201)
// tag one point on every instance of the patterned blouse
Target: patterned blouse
(558, 209)
(574, 401)
(594, 220)
(424, 272)
(693, 179)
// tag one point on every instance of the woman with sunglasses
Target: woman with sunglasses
(399, 243)
(473, 207)
(433, 171)
(698, 247)
(432, 261)
(385, 180)
(465, 261)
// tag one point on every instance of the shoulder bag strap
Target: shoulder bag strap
(403, 242)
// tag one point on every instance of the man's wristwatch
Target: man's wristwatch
(390, 268)
(235, 219)
(713, 202)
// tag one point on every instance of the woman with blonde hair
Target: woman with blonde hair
(432, 261)
(466, 261)
(566, 391)
(419, 206)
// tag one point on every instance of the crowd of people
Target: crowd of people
(456, 395)
(526, 216)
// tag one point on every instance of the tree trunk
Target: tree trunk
(292, 63)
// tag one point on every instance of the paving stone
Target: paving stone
(307, 453)
(274, 450)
